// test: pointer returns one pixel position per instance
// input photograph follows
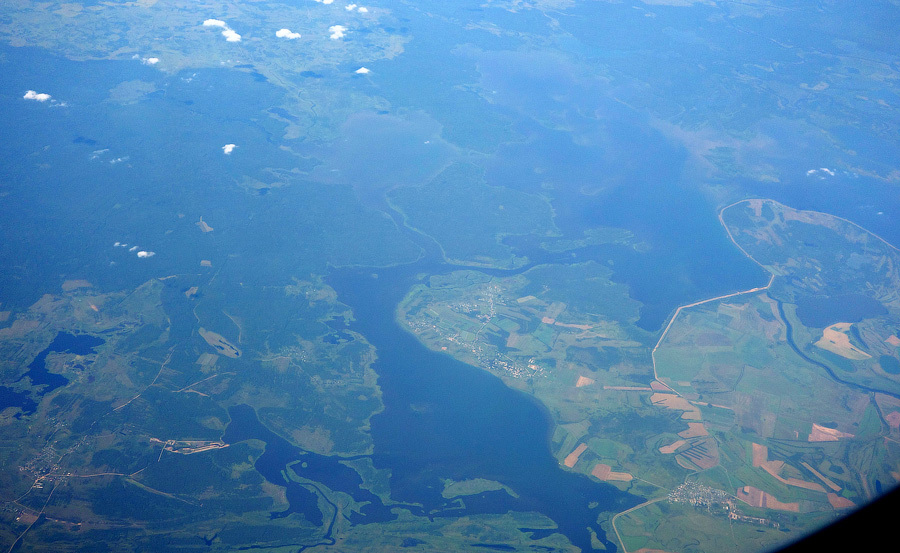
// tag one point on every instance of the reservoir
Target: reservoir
(823, 311)
(445, 419)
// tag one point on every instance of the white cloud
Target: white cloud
(337, 31)
(286, 33)
(146, 61)
(36, 96)
(119, 160)
(326, 2)
(822, 173)
(363, 9)
(143, 253)
(231, 36)
(229, 33)
(362, 70)
(350, 7)
(228, 148)
(117, 244)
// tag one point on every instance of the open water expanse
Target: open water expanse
(445, 419)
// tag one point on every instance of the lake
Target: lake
(445, 419)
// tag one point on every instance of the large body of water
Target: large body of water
(445, 419)
(620, 171)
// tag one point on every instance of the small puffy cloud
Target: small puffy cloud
(326, 2)
(337, 31)
(362, 71)
(821, 173)
(231, 36)
(36, 96)
(146, 61)
(350, 7)
(229, 33)
(228, 148)
(286, 33)
(133, 249)
(362, 9)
